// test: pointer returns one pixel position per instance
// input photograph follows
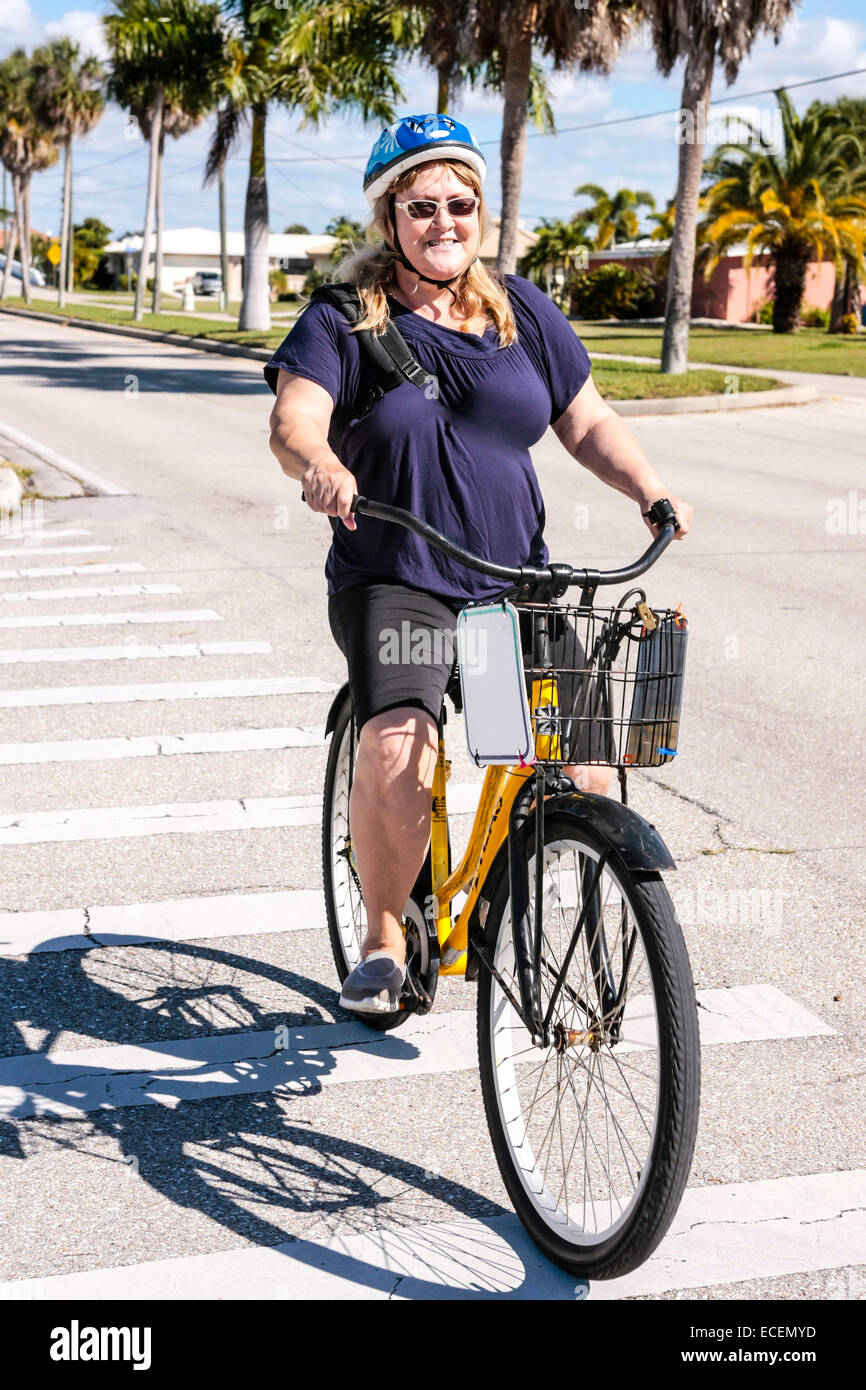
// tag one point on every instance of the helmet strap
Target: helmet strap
(401, 255)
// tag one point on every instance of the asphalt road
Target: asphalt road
(762, 811)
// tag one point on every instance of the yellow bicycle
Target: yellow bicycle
(588, 1040)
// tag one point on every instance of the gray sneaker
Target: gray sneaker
(374, 986)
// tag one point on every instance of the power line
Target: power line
(675, 110)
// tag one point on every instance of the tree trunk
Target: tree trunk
(156, 302)
(852, 292)
(837, 303)
(24, 234)
(443, 91)
(64, 222)
(517, 67)
(7, 220)
(791, 264)
(255, 312)
(697, 85)
(224, 249)
(9, 244)
(68, 266)
(144, 257)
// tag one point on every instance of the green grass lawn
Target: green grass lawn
(615, 380)
(808, 350)
(120, 299)
(627, 381)
(163, 323)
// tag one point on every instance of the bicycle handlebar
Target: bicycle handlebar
(558, 577)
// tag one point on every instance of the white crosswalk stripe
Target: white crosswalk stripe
(773, 1227)
(183, 818)
(173, 919)
(153, 745)
(202, 1068)
(117, 591)
(132, 651)
(61, 571)
(168, 690)
(31, 534)
(175, 615)
(56, 550)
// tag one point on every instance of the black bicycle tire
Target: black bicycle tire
(673, 988)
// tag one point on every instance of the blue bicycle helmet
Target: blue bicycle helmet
(417, 140)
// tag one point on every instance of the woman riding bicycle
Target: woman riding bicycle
(503, 363)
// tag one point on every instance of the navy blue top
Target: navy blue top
(455, 453)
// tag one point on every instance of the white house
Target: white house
(186, 250)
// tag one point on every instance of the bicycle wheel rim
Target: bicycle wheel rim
(580, 1119)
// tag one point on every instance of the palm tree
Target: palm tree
(699, 32)
(314, 58)
(544, 255)
(796, 205)
(447, 46)
(349, 234)
(558, 246)
(157, 49)
(614, 217)
(182, 110)
(664, 222)
(69, 98)
(846, 299)
(26, 147)
(588, 36)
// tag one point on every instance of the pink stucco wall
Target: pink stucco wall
(732, 293)
(735, 292)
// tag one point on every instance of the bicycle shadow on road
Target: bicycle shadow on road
(240, 1157)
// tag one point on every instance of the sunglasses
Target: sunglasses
(425, 209)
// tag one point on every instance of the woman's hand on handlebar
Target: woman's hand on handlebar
(683, 510)
(329, 487)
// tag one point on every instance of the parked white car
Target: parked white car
(207, 282)
(36, 276)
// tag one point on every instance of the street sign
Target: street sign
(53, 253)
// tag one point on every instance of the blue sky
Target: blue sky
(827, 36)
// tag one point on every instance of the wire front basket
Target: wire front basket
(618, 684)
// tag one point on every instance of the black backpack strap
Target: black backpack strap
(389, 351)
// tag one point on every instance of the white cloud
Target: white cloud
(807, 48)
(85, 27)
(19, 26)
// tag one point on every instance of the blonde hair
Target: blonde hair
(371, 268)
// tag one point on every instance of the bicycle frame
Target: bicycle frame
(502, 813)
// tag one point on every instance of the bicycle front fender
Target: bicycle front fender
(637, 843)
(341, 695)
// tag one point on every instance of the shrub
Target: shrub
(850, 324)
(813, 317)
(762, 312)
(278, 283)
(616, 291)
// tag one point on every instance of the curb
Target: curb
(674, 405)
(737, 400)
(152, 335)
